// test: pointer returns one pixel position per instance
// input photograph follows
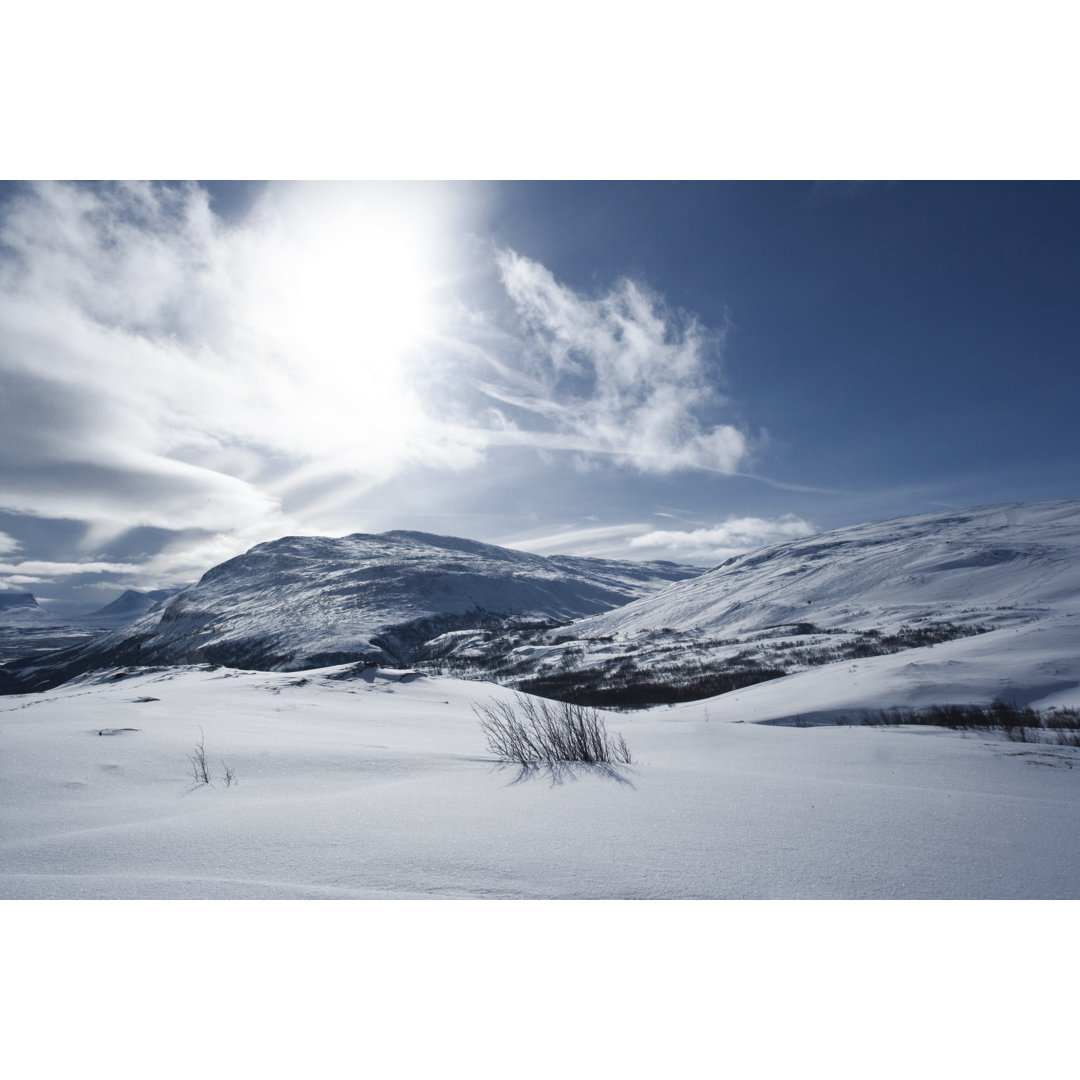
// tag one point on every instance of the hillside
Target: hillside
(614, 634)
(850, 595)
(993, 563)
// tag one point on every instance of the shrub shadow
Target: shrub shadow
(558, 773)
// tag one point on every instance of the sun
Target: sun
(343, 285)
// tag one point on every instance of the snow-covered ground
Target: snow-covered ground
(381, 786)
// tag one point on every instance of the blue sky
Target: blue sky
(637, 370)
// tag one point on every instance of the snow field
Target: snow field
(381, 787)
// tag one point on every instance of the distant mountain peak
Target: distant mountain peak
(9, 600)
(130, 605)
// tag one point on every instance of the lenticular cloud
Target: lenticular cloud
(731, 537)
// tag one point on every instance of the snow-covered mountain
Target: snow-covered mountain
(302, 602)
(128, 606)
(21, 609)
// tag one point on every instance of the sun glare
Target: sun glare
(344, 291)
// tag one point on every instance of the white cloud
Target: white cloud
(8, 544)
(703, 546)
(42, 569)
(599, 540)
(718, 542)
(619, 375)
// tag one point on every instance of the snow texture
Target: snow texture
(369, 783)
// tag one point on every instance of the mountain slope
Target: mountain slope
(302, 602)
(848, 595)
(991, 563)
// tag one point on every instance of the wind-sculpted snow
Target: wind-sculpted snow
(302, 602)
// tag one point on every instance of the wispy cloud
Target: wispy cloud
(598, 540)
(718, 542)
(617, 375)
(41, 570)
(706, 545)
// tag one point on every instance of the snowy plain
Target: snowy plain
(381, 786)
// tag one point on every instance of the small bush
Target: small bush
(200, 767)
(533, 730)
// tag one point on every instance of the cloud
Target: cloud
(49, 570)
(716, 543)
(618, 375)
(161, 369)
(599, 540)
(8, 544)
(705, 545)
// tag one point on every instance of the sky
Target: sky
(639, 370)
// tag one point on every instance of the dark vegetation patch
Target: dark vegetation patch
(1060, 727)
(406, 640)
(630, 688)
(670, 666)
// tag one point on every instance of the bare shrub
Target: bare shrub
(533, 730)
(200, 767)
(230, 774)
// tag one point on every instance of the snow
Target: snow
(380, 786)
